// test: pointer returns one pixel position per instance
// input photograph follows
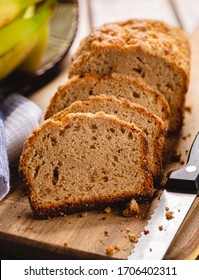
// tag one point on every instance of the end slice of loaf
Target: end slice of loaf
(153, 50)
(130, 112)
(84, 161)
(119, 85)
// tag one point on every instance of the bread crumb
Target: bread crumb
(101, 241)
(132, 209)
(160, 228)
(106, 233)
(169, 215)
(84, 214)
(175, 156)
(110, 250)
(167, 208)
(186, 136)
(65, 244)
(146, 231)
(107, 210)
(188, 109)
(133, 238)
(128, 230)
(117, 248)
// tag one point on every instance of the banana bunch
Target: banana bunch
(23, 33)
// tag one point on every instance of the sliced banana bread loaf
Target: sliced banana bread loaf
(84, 161)
(127, 111)
(119, 85)
(153, 50)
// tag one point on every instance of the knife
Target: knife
(181, 190)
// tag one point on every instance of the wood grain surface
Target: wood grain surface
(87, 236)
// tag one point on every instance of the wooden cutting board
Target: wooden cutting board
(87, 236)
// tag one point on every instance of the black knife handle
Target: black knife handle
(186, 179)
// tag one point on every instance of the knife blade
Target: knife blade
(181, 190)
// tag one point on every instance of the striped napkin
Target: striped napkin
(4, 170)
(18, 117)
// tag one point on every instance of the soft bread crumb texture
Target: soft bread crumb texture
(84, 161)
(151, 125)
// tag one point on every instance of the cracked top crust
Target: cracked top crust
(151, 37)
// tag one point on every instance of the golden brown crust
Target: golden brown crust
(43, 210)
(55, 211)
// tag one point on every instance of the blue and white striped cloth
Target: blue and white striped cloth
(4, 170)
(18, 117)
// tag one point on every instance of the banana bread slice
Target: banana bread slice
(127, 111)
(84, 161)
(119, 85)
(153, 50)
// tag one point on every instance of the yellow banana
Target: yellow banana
(20, 37)
(10, 9)
(31, 63)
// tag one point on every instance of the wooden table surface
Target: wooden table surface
(96, 12)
